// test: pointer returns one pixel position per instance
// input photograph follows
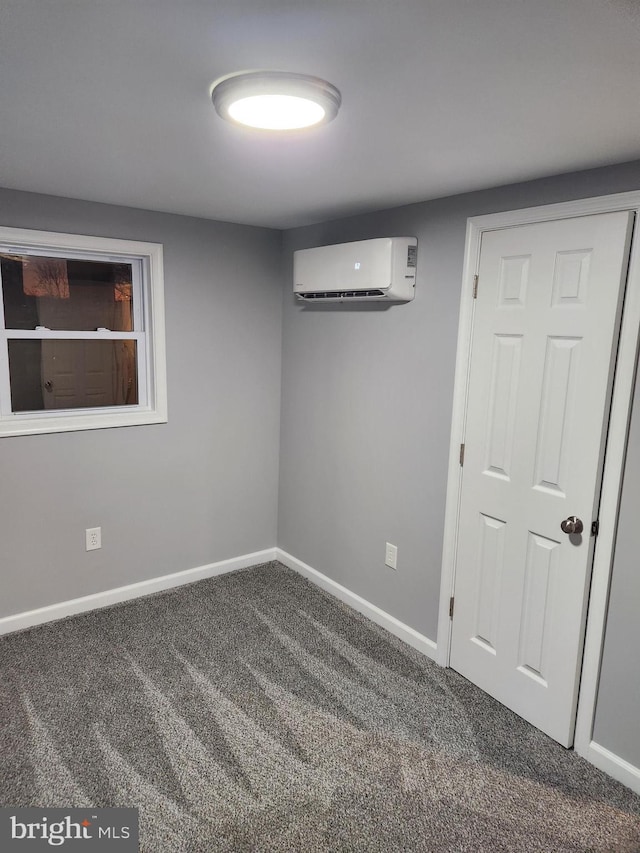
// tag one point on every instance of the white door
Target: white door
(78, 373)
(546, 323)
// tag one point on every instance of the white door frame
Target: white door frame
(614, 458)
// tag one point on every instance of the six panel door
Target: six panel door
(543, 350)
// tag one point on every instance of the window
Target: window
(81, 333)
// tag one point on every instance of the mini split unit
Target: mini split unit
(382, 269)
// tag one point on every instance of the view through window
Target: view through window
(76, 334)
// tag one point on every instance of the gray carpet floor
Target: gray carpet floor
(253, 712)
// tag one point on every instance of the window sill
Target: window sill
(17, 425)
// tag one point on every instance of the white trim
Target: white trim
(614, 460)
(50, 335)
(613, 765)
(20, 621)
(610, 499)
(461, 382)
(563, 210)
(371, 611)
(53, 612)
(92, 247)
(149, 332)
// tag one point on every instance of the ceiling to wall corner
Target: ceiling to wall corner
(110, 101)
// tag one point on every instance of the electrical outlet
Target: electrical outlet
(391, 556)
(93, 538)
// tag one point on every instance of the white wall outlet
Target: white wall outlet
(93, 538)
(391, 556)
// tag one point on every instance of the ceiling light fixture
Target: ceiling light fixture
(275, 100)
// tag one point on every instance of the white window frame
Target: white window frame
(148, 332)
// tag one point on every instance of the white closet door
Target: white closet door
(543, 350)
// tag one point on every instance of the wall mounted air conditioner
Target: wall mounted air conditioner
(383, 269)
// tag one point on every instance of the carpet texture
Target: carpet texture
(253, 712)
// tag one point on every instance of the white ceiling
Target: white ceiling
(109, 100)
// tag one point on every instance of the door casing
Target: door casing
(614, 457)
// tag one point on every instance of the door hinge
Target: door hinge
(475, 287)
(451, 600)
(461, 455)
(595, 527)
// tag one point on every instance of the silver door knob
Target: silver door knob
(572, 525)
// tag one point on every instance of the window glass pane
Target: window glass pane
(72, 374)
(66, 294)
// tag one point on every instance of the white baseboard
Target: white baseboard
(613, 765)
(53, 612)
(598, 755)
(28, 619)
(371, 611)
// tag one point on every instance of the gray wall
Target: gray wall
(367, 398)
(199, 489)
(617, 725)
(366, 413)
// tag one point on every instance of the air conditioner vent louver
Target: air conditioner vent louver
(341, 294)
(383, 268)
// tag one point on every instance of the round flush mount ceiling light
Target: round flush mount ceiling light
(275, 100)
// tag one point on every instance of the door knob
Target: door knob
(572, 525)
(48, 385)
